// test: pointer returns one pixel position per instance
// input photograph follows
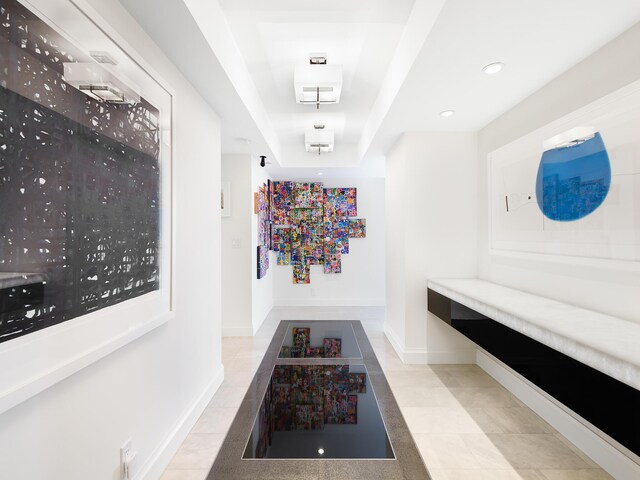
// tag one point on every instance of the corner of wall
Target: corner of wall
(396, 342)
(422, 169)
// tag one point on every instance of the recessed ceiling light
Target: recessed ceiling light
(320, 173)
(493, 68)
(321, 451)
(447, 113)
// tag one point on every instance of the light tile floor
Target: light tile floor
(465, 424)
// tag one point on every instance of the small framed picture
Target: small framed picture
(225, 199)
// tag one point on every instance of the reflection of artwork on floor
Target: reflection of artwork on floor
(285, 351)
(341, 408)
(301, 346)
(265, 425)
(357, 383)
(332, 347)
(570, 187)
(309, 417)
(301, 337)
(308, 397)
(306, 224)
(315, 352)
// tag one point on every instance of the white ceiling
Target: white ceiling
(537, 40)
(404, 62)
(274, 36)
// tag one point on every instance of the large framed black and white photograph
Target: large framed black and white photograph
(85, 195)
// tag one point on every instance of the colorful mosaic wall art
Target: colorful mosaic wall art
(263, 260)
(306, 224)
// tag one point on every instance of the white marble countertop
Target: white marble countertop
(14, 279)
(608, 344)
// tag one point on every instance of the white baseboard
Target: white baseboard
(327, 312)
(248, 331)
(467, 356)
(422, 356)
(395, 342)
(618, 464)
(157, 463)
(415, 356)
(257, 326)
(237, 331)
(334, 302)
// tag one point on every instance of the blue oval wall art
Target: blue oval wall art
(573, 179)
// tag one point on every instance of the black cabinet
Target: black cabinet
(606, 403)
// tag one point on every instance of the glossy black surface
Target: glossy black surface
(603, 401)
(327, 339)
(407, 464)
(312, 408)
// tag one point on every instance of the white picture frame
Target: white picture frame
(605, 237)
(225, 199)
(45, 357)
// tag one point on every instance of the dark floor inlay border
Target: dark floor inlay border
(408, 464)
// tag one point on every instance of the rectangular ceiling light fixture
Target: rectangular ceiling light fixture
(317, 83)
(320, 141)
(98, 83)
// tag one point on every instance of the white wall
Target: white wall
(395, 246)
(237, 268)
(362, 280)
(431, 200)
(246, 300)
(147, 389)
(604, 289)
(262, 289)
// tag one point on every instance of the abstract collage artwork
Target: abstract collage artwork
(570, 188)
(80, 186)
(306, 224)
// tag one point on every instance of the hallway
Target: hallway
(465, 424)
(182, 179)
